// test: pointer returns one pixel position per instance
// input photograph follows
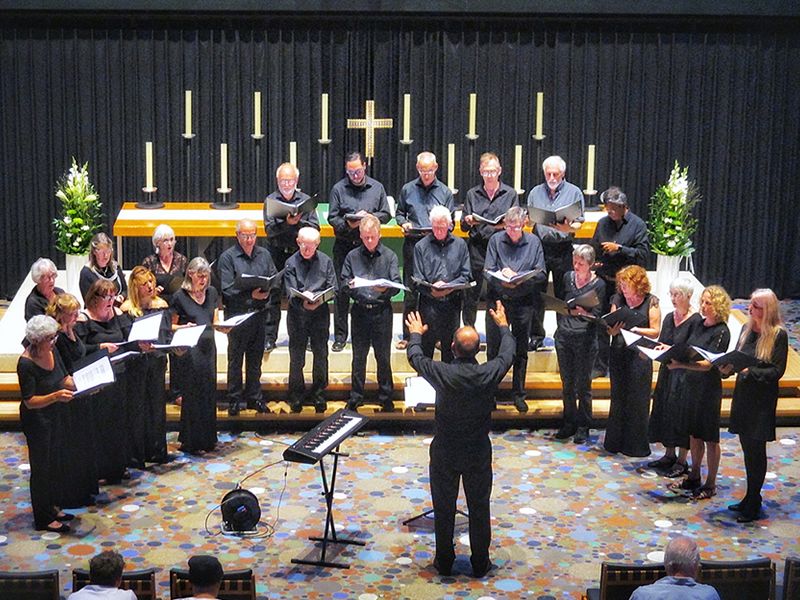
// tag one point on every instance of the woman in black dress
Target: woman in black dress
(755, 397)
(146, 400)
(631, 373)
(79, 474)
(102, 266)
(701, 389)
(43, 273)
(196, 304)
(44, 385)
(669, 420)
(165, 263)
(104, 328)
(576, 346)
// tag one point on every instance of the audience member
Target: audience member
(105, 577)
(681, 561)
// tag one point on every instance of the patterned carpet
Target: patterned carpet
(558, 510)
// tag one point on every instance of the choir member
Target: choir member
(669, 417)
(245, 344)
(513, 252)
(196, 304)
(631, 372)
(78, 481)
(490, 200)
(576, 346)
(440, 258)
(372, 311)
(417, 198)
(43, 273)
(352, 197)
(102, 266)
(148, 417)
(308, 271)
(105, 328)
(165, 263)
(755, 397)
(702, 388)
(282, 234)
(44, 386)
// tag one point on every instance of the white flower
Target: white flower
(671, 244)
(85, 228)
(76, 243)
(61, 195)
(67, 220)
(68, 234)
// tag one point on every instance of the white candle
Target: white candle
(590, 169)
(324, 129)
(223, 166)
(473, 106)
(188, 111)
(539, 113)
(451, 166)
(293, 153)
(406, 117)
(518, 167)
(148, 165)
(257, 113)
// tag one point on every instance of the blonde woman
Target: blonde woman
(102, 266)
(755, 397)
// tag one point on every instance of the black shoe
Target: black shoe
(233, 409)
(338, 346)
(677, 470)
(65, 517)
(269, 345)
(260, 407)
(482, 570)
(534, 344)
(295, 407)
(442, 569)
(736, 507)
(665, 462)
(353, 405)
(63, 528)
(388, 406)
(581, 435)
(748, 517)
(520, 404)
(565, 432)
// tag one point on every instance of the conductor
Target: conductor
(461, 449)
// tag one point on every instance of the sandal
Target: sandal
(705, 492)
(687, 485)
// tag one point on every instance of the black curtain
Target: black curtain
(719, 95)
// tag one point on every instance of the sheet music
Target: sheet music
(120, 356)
(185, 337)
(146, 329)
(359, 282)
(630, 337)
(95, 375)
(234, 321)
(352, 423)
(418, 391)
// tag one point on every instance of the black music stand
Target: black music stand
(330, 529)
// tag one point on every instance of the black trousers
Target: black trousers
(558, 261)
(520, 312)
(576, 355)
(473, 466)
(755, 466)
(410, 299)
(304, 325)
(472, 296)
(442, 317)
(39, 434)
(372, 327)
(341, 305)
(246, 345)
(279, 257)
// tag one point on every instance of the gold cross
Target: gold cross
(369, 124)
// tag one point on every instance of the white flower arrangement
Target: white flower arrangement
(80, 216)
(671, 223)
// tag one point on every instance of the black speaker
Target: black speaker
(240, 511)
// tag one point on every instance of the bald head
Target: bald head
(466, 342)
(681, 557)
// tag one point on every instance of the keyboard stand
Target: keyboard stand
(330, 528)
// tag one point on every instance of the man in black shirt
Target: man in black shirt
(440, 258)
(281, 234)
(245, 342)
(372, 311)
(308, 271)
(511, 253)
(619, 240)
(352, 197)
(489, 200)
(461, 449)
(417, 198)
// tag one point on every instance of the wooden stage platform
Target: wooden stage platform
(543, 383)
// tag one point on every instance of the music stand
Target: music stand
(428, 512)
(330, 535)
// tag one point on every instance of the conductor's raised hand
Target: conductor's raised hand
(415, 324)
(499, 314)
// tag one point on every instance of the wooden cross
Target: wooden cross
(369, 123)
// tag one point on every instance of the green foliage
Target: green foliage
(81, 216)
(671, 223)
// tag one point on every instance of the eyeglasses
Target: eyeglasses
(109, 297)
(427, 171)
(514, 227)
(247, 236)
(491, 173)
(354, 172)
(287, 181)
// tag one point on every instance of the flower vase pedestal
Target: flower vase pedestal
(667, 269)
(75, 262)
